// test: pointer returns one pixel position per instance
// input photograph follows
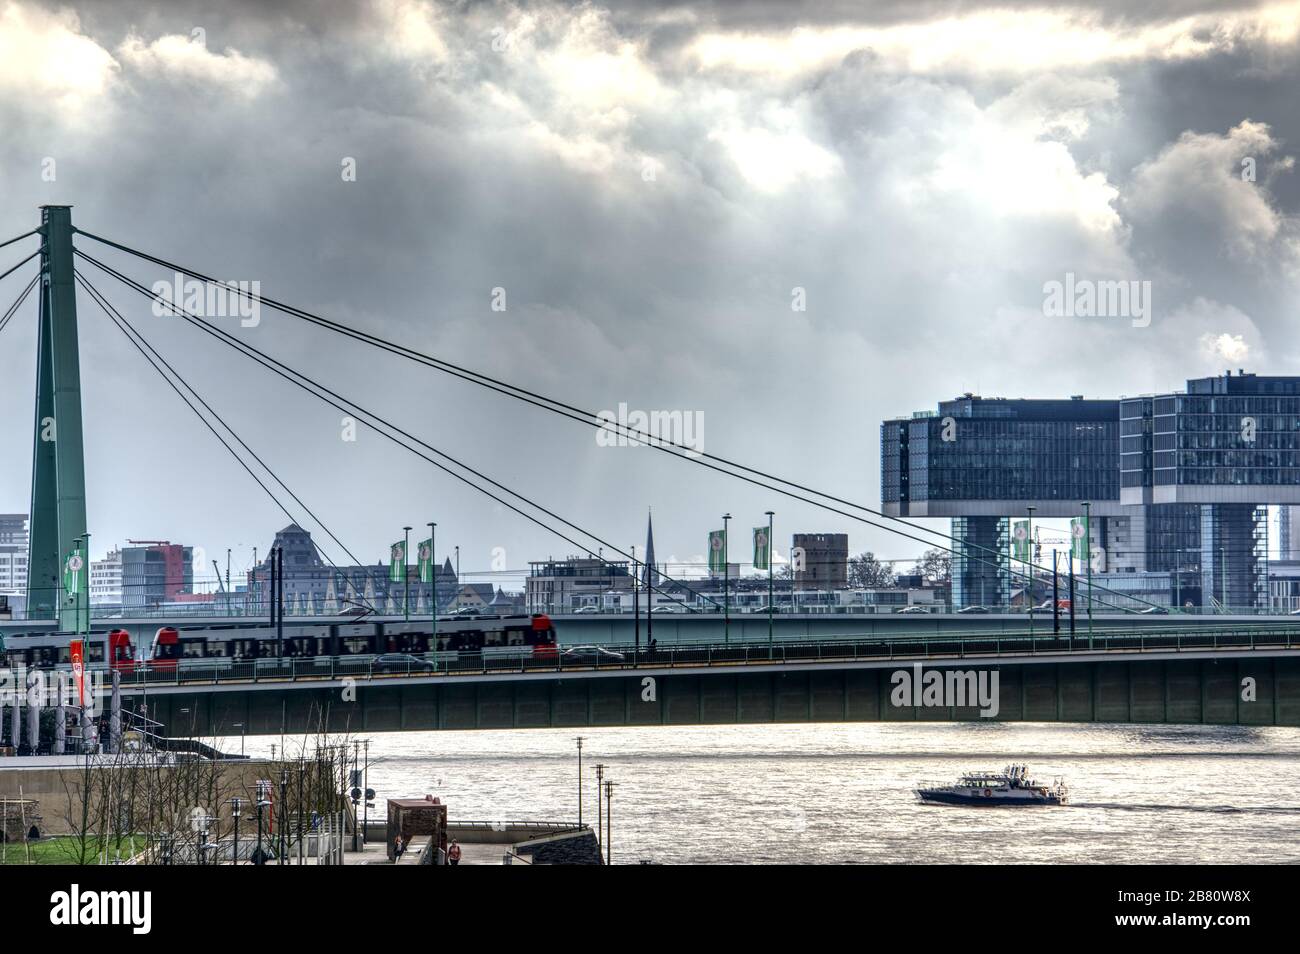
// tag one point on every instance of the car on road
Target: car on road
(590, 654)
(973, 609)
(585, 610)
(914, 608)
(400, 662)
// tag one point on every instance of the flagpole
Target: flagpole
(86, 564)
(433, 582)
(1087, 537)
(726, 584)
(406, 577)
(768, 557)
(1029, 565)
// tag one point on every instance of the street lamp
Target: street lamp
(1029, 565)
(406, 575)
(236, 811)
(768, 558)
(609, 820)
(1087, 552)
(240, 727)
(636, 603)
(579, 739)
(433, 582)
(600, 776)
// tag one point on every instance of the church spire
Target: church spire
(651, 575)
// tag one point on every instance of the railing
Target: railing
(552, 826)
(336, 611)
(619, 658)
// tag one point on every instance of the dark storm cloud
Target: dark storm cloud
(649, 216)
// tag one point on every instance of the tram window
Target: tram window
(193, 648)
(216, 648)
(517, 636)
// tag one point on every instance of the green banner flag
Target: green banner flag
(74, 573)
(717, 551)
(425, 553)
(397, 562)
(1079, 539)
(762, 549)
(1020, 541)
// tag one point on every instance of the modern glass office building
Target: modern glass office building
(1177, 484)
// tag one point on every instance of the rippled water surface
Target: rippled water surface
(843, 793)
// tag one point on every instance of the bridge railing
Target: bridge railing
(830, 650)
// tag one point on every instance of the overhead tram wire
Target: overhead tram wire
(356, 410)
(18, 303)
(591, 419)
(132, 335)
(263, 358)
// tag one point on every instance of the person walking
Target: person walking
(397, 849)
(453, 853)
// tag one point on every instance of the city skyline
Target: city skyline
(664, 138)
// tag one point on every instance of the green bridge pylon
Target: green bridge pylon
(58, 515)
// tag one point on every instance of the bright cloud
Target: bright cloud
(998, 41)
(188, 59)
(44, 56)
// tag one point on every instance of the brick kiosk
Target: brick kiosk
(410, 817)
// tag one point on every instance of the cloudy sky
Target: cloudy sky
(654, 189)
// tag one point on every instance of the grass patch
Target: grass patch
(69, 850)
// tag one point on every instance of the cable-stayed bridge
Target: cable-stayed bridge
(1193, 661)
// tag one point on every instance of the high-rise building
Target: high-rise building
(155, 572)
(1176, 485)
(106, 580)
(13, 556)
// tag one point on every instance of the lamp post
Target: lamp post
(636, 602)
(1087, 553)
(1223, 578)
(609, 821)
(726, 583)
(406, 575)
(236, 810)
(259, 856)
(365, 794)
(433, 582)
(87, 586)
(770, 597)
(579, 739)
(240, 727)
(1029, 565)
(600, 777)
